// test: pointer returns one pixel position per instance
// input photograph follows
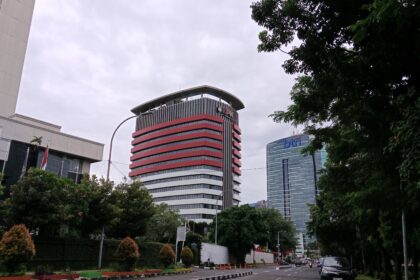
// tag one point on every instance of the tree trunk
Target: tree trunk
(397, 266)
(415, 264)
(384, 263)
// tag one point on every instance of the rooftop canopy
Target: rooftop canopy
(209, 90)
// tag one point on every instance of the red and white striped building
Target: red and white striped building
(187, 151)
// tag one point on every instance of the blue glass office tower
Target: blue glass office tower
(291, 179)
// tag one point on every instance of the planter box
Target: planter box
(56, 276)
(22, 277)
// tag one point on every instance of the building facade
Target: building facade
(69, 156)
(292, 179)
(15, 23)
(187, 151)
(259, 204)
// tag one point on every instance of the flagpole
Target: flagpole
(62, 166)
(77, 172)
(2, 171)
(25, 163)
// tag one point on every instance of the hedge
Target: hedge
(78, 254)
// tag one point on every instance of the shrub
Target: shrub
(167, 255)
(127, 253)
(187, 256)
(16, 248)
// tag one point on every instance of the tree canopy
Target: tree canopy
(51, 206)
(357, 93)
(162, 226)
(240, 227)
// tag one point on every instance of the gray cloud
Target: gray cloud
(89, 62)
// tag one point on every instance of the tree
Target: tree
(276, 226)
(199, 227)
(357, 94)
(167, 255)
(103, 210)
(239, 227)
(163, 224)
(47, 204)
(127, 253)
(187, 256)
(16, 248)
(194, 241)
(136, 206)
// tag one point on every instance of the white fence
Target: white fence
(215, 253)
(259, 257)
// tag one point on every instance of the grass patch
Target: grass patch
(365, 277)
(90, 274)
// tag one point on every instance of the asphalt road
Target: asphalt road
(269, 273)
(302, 272)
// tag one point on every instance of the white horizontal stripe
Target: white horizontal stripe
(187, 192)
(190, 201)
(237, 188)
(181, 173)
(208, 221)
(198, 211)
(185, 182)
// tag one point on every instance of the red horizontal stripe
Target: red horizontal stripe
(175, 147)
(237, 153)
(236, 136)
(175, 138)
(176, 156)
(236, 170)
(237, 145)
(175, 122)
(175, 130)
(174, 165)
(237, 162)
(236, 127)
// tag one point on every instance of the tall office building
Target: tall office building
(15, 23)
(291, 179)
(69, 156)
(186, 150)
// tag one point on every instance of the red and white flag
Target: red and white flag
(44, 159)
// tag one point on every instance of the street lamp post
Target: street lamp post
(101, 245)
(217, 206)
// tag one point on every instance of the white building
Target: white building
(69, 155)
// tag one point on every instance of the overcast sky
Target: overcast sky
(89, 62)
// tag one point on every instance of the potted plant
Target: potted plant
(16, 250)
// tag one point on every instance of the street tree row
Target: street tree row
(357, 92)
(51, 206)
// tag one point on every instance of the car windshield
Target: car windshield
(336, 262)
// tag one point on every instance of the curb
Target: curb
(137, 276)
(227, 276)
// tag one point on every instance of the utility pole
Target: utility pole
(217, 206)
(101, 244)
(404, 237)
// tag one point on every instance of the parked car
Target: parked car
(320, 261)
(336, 268)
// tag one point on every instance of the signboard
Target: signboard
(292, 142)
(181, 232)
